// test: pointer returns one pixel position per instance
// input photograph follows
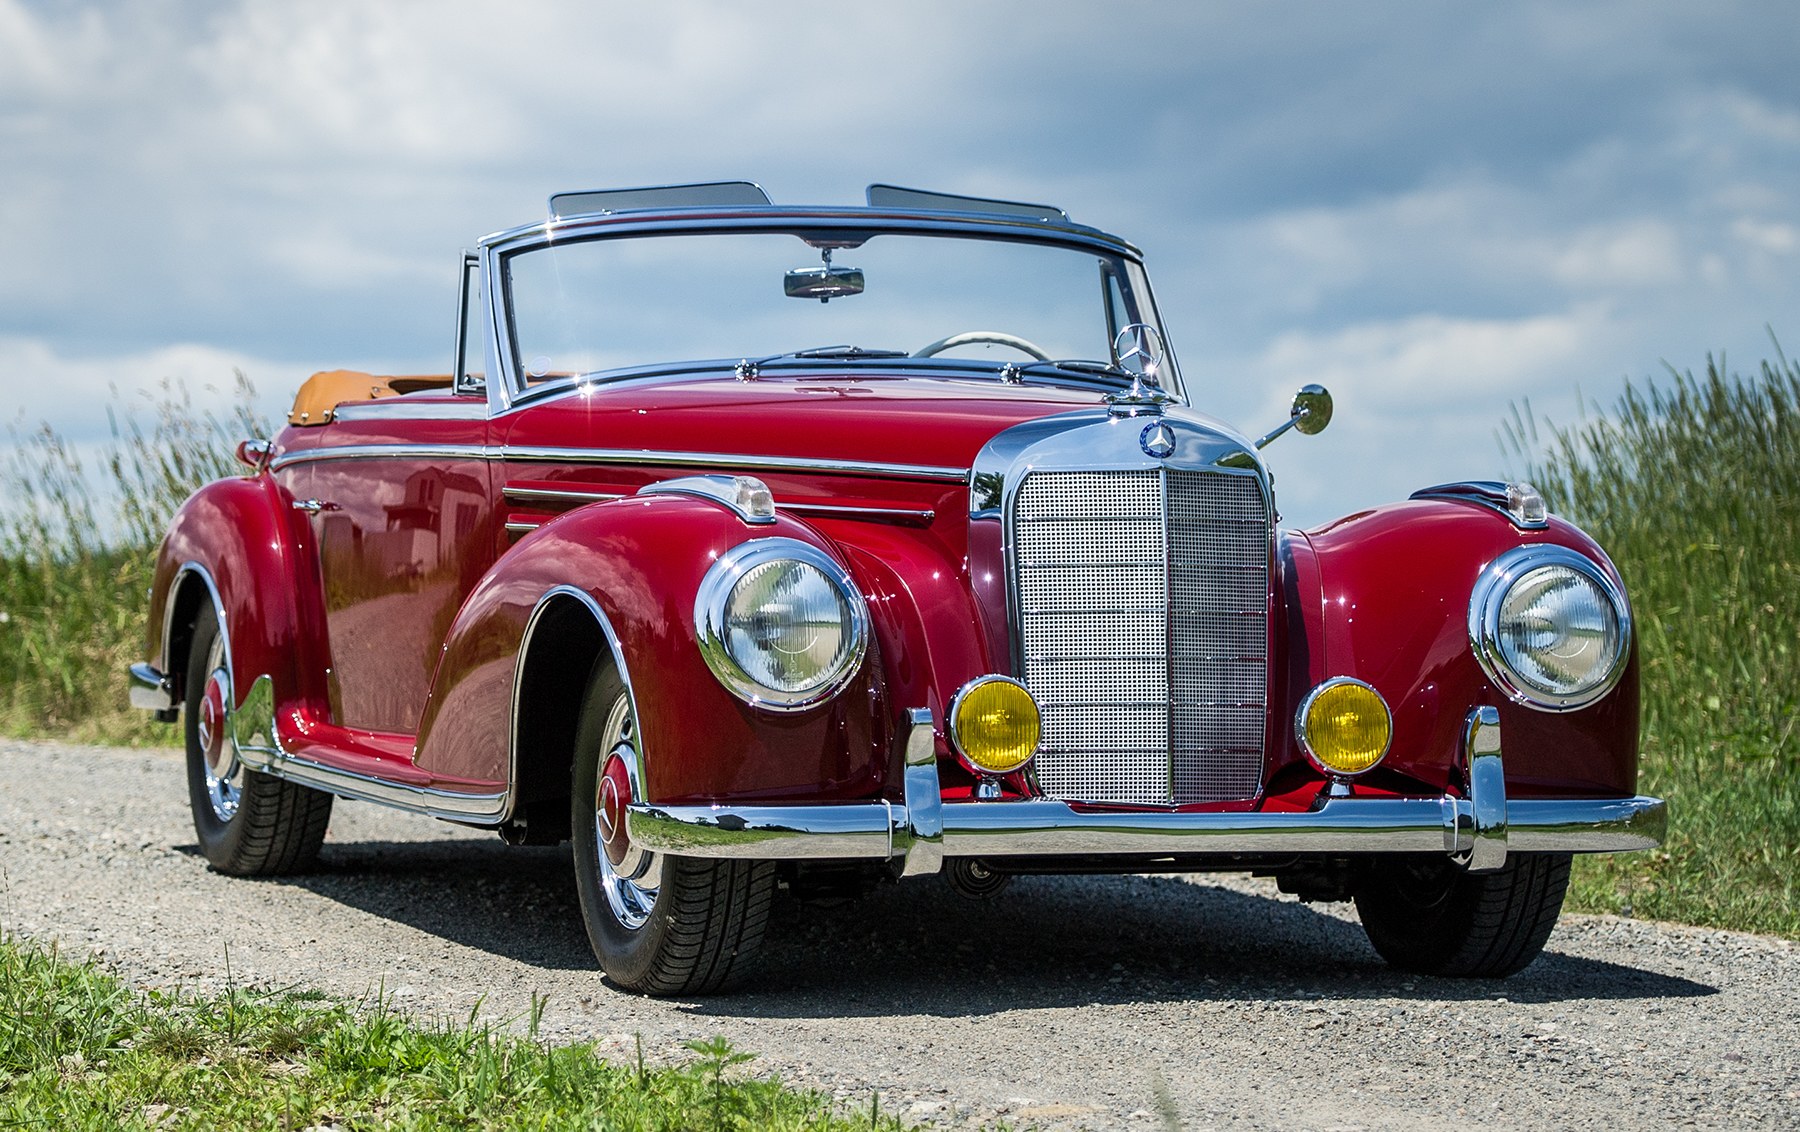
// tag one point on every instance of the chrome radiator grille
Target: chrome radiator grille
(1143, 628)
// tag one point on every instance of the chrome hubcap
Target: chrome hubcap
(218, 746)
(627, 873)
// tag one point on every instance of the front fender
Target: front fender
(1383, 596)
(231, 544)
(639, 561)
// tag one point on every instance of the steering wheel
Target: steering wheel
(969, 337)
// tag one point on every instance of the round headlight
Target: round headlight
(1344, 727)
(780, 623)
(1549, 627)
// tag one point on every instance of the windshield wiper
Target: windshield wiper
(843, 353)
(1079, 365)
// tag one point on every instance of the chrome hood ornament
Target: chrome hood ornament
(1138, 350)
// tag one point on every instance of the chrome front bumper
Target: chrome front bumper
(1479, 829)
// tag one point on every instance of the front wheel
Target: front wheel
(658, 924)
(1428, 914)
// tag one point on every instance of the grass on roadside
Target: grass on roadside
(76, 554)
(80, 1050)
(1693, 487)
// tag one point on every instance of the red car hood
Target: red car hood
(885, 419)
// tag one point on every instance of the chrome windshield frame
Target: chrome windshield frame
(504, 387)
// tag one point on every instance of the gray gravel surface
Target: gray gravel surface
(1103, 1002)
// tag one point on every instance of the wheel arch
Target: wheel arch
(567, 637)
(191, 589)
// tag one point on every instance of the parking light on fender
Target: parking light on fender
(780, 623)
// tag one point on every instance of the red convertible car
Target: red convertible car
(749, 545)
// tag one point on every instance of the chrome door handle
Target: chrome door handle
(313, 506)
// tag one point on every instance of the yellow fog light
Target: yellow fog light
(1344, 727)
(994, 724)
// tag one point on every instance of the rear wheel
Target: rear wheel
(248, 823)
(1428, 914)
(658, 924)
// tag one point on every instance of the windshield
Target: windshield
(599, 306)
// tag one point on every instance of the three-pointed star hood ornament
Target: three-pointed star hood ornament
(1138, 349)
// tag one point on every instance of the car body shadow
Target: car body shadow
(919, 947)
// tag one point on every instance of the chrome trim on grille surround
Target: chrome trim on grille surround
(1093, 444)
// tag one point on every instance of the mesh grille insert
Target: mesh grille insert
(1143, 619)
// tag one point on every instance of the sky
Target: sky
(1440, 211)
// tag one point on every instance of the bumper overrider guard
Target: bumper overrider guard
(1478, 830)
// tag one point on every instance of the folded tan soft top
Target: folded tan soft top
(323, 392)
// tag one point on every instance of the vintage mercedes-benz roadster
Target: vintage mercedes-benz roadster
(748, 546)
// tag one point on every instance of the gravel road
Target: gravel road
(1135, 1002)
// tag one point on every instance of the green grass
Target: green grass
(77, 547)
(79, 1050)
(1693, 487)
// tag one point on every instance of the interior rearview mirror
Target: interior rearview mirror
(824, 283)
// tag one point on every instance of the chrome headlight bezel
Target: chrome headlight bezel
(1488, 599)
(711, 619)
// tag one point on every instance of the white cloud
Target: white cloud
(1631, 253)
(73, 394)
(1777, 238)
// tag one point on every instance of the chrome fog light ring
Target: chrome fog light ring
(1319, 750)
(781, 624)
(1550, 627)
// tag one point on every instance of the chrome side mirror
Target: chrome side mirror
(1310, 414)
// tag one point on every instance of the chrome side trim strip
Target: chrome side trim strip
(623, 456)
(394, 408)
(558, 495)
(383, 452)
(921, 517)
(150, 689)
(482, 809)
(730, 460)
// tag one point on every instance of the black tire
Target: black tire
(663, 925)
(1427, 914)
(248, 823)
